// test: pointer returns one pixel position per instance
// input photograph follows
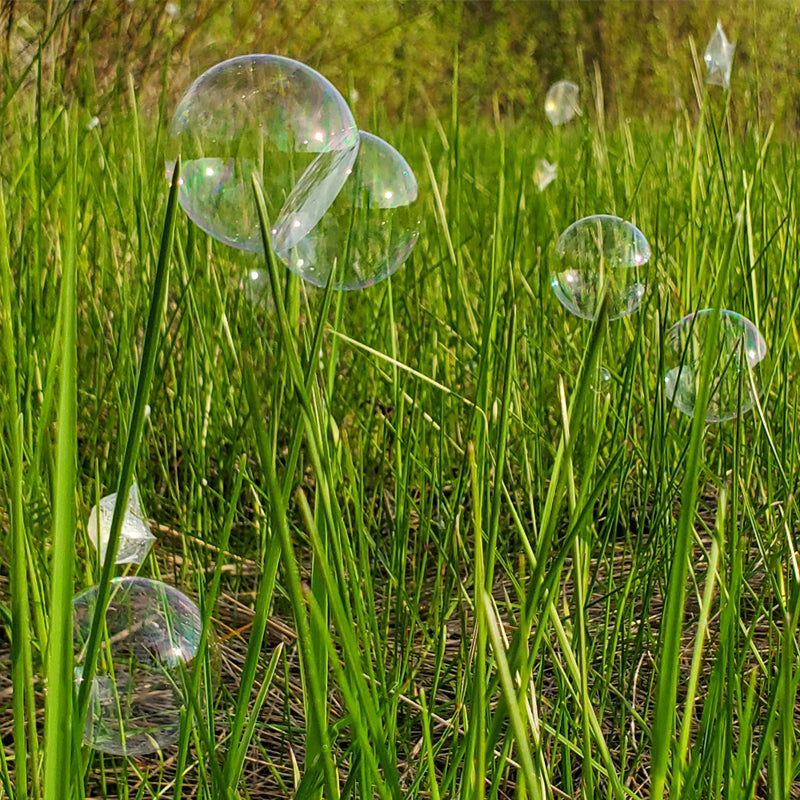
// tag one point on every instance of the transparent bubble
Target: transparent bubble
(719, 58)
(368, 231)
(151, 640)
(544, 174)
(135, 538)
(267, 116)
(740, 347)
(600, 255)
(561, 103)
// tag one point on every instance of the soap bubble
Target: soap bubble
(740, 347)
(597, 255)
(135, 538)
(561, 103)
(544, 174)
(267, 116)
(147, 649)
(719, 58)
(368, 231)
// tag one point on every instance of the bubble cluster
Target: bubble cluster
(265, 116)
(597, 256)
(369, 229)
(740, 347)
(151, 638)
(561, 102)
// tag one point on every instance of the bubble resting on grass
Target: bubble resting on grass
(368, 231)
(265, 116)
(135, 538)
(151, 640)
(597, 255)
(561, 102)
(740, 347)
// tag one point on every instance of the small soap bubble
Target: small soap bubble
(719, 58)
(740, 347)
(93, 123)
(135, 538)
(561, 103)
(544, 174)
(151, 638)
(172, 10)
(597, 256)
(368, 231)
(265, 116)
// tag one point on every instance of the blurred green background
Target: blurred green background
(399, 55)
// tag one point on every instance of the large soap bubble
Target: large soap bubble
(261, 115)
(147, 649)
(740, 347)
(719, 58)
(368, 231)
(600, 255)
(561, 102)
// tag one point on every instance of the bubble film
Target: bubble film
(719, 59)
(135, 538)
(151, 640)
(600, 255)
(368, 231)
(740, 347)
(544, 174)
(265, 116)
(561, 102)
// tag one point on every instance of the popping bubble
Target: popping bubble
(135, 538)
(719, 58)
(600, 255)
(544, 174)
(265, 116)
(368, 231)
(740, 347)
(561, 103)
(151, 638)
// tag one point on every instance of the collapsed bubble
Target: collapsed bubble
(719, 58)
(265, 116)
(135, 538)
(544, 174)
(740, 347)
(561, 102)
(367, 232)
(597, 256)
(149, 644)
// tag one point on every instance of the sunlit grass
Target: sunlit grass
(442, 558)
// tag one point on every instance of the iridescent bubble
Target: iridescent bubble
(561, 103)
(148, 647)
(368, 231)
(740, 347)
(597, 256)
(267, 116)
(719, 58)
